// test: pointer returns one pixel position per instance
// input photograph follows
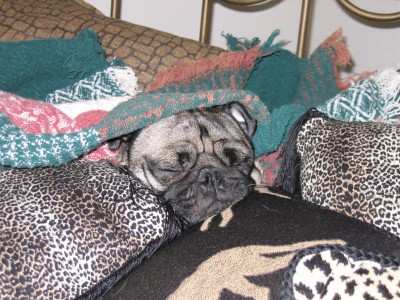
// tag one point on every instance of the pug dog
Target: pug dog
(199, 161)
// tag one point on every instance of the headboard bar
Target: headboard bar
(303, 28)
(116, 9)
(304, 18)
(389, 17)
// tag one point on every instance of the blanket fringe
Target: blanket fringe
(81, 61)
(243, 55)
(268, 47)
(187, 71)
(340, 55)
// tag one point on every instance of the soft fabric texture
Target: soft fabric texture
(376, 98)
(348, 167)
(147, 51)
(283, 78)
(114, 81)
(53, 63)
(277, 76)
(243, 253)
(75, 230)
(272, 126)
(41, 135)
(340, 272)
(23, 148)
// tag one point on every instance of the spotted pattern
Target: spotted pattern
(336, 272)
(146, 50)
(352, 168)
(65, 229)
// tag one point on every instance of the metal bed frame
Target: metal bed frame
(304, 17)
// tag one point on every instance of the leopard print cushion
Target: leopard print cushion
(342, 272)
(73, 230)
(146, 50)
(352, 168)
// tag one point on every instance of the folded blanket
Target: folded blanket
(29, 139)
(36, 134)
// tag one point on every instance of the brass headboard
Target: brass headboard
(390, 17)
(304, 17)
(115, 9)
(303, 27)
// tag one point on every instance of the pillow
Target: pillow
(75, 230)
(341, 272)
(350, 167)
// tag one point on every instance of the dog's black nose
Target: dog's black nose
(210, 178)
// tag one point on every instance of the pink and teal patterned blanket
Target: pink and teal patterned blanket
(34, 133)
(37, 127)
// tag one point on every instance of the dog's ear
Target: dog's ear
(242, 117)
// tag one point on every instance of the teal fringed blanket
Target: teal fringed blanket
(34, 133)
(24, 142)
(36, 68)
(30, 144)
(276, 75)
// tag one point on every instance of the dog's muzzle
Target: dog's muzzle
(212, 191)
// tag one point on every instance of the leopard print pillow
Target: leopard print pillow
(352, 168)
(341, 272)
(74, 230)
(349, 167)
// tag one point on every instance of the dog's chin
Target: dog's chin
(194, 202)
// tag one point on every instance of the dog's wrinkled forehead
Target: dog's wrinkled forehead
(198, 122)
(228, 120)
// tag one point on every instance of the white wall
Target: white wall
(373, 46)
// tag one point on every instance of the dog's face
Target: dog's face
(199, 161)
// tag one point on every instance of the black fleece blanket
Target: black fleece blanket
(244, 253)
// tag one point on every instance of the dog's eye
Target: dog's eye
(231, 155)
(183, 159)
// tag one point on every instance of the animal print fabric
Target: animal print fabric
(144, 49)
(341, 272)
(352, 168)
(64, 230)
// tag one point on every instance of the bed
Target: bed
(324, 220)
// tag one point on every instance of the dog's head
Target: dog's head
(199, 161)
